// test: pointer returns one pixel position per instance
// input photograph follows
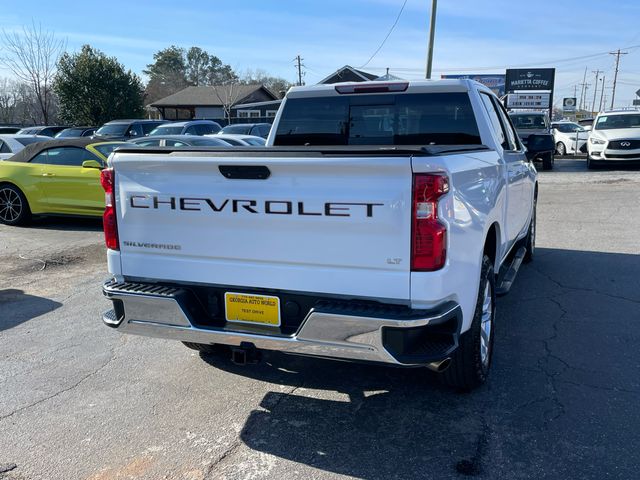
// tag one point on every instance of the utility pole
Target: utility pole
(602, 94)
(584, 80)
(299, 66)
(595, 90)
(615, 76)
(432, 34)
(585, 87)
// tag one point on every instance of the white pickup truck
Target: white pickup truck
(378, 225)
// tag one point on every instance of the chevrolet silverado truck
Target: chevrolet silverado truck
(377, 225)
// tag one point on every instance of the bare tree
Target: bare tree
(32, 56)
(228, 94)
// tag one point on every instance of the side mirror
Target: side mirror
(538, 143)
(91, 164)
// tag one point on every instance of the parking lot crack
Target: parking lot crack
(64, 390)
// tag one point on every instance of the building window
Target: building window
(271, 113)
(248, 113)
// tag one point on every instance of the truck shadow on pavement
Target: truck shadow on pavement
(565, 372)
(17, 307)
(74, 224)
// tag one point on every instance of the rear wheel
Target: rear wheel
(471, 361)
(548, 161)
(561, 149)
(14, 208)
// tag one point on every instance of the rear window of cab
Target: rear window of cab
(388, 119)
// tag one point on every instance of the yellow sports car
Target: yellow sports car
(58, 177)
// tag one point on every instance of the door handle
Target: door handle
(48, 174)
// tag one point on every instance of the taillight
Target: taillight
(429, 235)
(107, 177)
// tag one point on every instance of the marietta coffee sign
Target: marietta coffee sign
(530, 79)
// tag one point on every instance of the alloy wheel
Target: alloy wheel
(10, 205)
(486, 326)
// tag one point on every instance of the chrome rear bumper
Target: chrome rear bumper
(422, 338)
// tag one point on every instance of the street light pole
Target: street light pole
(432, 34)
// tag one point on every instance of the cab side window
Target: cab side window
(514, 144)
(4, 148)
(494, 118)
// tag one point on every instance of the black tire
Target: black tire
(470, 363)
(215, 349)
(561, 150)
(14, 208)
(547, 162)
(592, 164)
(530, 244)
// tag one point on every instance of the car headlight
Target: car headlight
(596, 141)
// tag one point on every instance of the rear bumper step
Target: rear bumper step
(331, 329)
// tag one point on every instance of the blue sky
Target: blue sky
(268, 34)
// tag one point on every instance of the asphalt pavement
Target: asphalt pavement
(81, 401)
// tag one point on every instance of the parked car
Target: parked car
(47, 131)
(426, 202)
(76, 132)
(56, 177)
(179, 141)
(193, 127)
(257, 129)
(127, 129)
(534, 122)
(241, 140)
(615, 137)
(12, 144)
(586, 123)
(9, 130)
(570, 138)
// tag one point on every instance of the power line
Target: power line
(388, 34)
(502, 67)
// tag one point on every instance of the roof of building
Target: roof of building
(210, 96)
(258, 104)
(359, 74)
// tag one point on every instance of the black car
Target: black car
(46, 130)
(76, 132)
(9, 130)
(126, 129)
(257, 129)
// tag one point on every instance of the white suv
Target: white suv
(615, 137)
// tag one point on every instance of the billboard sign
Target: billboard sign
(494, 81)
(529, 100)
(529, 79)
(569, 104)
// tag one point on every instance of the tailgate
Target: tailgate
(333, 225)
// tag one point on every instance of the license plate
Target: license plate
(244, 308)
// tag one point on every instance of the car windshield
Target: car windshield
(70, 132)
(390, 119)
(236, 129)
(107, 148)
(568, 127)
(29, 140)
(112, 129)
(254, 141)
(167, 130)
(528, 122)
(610, 122)
(208, 142)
